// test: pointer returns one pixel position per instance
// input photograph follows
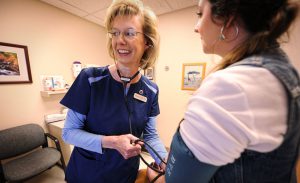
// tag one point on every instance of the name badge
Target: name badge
(140, 97)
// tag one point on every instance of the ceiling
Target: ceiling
(94, 10)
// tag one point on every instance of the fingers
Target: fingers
(128, 155)
(151, 174)
(140, 143)
(131, 152)
(125, 146)
(163, 165)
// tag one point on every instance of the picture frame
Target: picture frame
(14, 64)
(149, 73)
(192, 75)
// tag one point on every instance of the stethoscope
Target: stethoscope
(154, 167)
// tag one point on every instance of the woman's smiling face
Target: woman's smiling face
(128, 50)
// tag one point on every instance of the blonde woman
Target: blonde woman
(112, 106)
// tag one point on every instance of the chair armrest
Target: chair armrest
(56, 141)
(51, 137)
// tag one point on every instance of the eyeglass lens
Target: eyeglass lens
(128, 34)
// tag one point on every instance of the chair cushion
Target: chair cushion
(31, 164)
(25, 137)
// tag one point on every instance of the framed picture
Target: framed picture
(14, 64)
(192, 75)
(149, 73)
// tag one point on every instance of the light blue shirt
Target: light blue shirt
(74, 133)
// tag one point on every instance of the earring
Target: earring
(222, 36)
(236, 31)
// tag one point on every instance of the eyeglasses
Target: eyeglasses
(129, 34)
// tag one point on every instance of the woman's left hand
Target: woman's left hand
(123, 144)
(151, 174)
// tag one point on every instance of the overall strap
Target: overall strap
(278, 64)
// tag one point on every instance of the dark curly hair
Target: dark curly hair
(265, 20)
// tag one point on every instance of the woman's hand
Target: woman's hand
(124, 144)
(163, 164)
(151, 174)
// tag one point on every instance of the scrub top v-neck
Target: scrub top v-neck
(98, 96)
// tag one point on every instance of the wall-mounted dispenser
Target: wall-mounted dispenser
(76, 68)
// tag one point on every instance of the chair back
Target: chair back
(21, 139)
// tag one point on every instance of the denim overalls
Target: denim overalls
(276, 166)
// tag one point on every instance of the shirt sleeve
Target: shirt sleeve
(73, 133)
(78, 96)
(218, 124)
(155, 105)
(232, 111)
(151, 137)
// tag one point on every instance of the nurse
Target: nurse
(112, 106)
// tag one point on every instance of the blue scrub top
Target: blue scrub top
(100, 98)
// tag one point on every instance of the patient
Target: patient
(237, 128)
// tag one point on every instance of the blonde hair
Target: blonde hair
(149, 24)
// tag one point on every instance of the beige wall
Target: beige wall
(179, 44)
(292, 46)
(55, 39)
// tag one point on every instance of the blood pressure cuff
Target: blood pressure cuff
(183, 166)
